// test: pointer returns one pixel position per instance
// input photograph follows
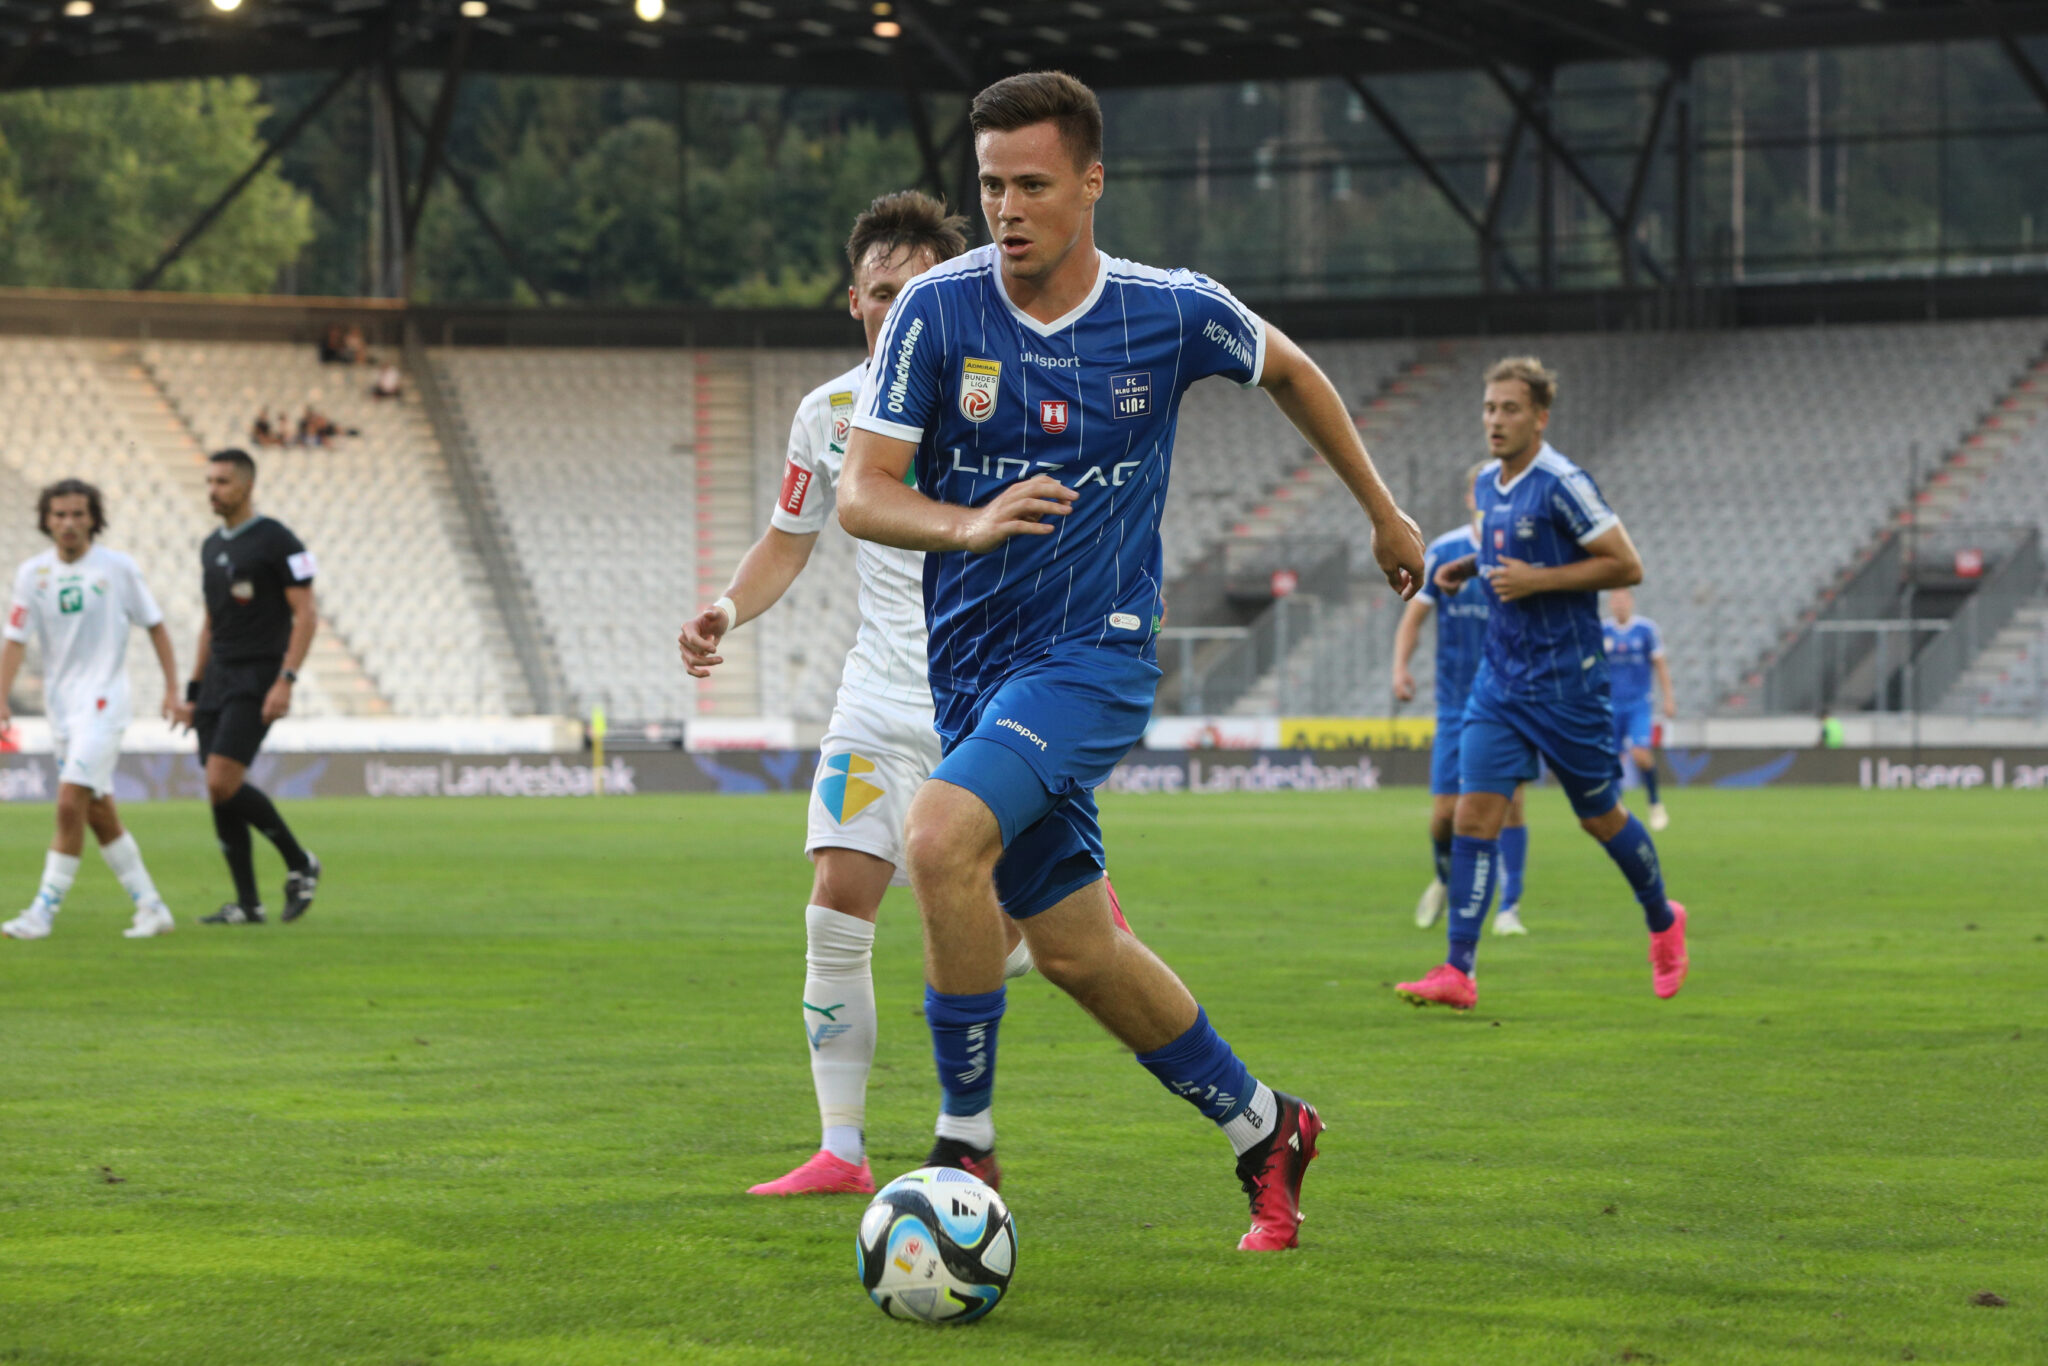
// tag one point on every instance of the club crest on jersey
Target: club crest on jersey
(980, 382)
(842, 418)
(1052, 415)
(1500, 538)
(843, 786)
(1130, 394)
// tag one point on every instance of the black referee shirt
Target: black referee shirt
(246, 572)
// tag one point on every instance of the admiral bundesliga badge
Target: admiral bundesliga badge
(979, 381)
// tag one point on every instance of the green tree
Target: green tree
(96, 183)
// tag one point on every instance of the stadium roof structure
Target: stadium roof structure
(924, 47)
(943, 44)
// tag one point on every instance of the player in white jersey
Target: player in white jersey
(880, 745)
(77, 601)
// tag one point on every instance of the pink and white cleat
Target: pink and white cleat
(1442, 985)
(1667, 954)
(824, 1174)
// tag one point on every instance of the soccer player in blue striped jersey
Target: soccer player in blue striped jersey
(1460, 640)
(1548, 544)
(1033, 386)
(1635, 654)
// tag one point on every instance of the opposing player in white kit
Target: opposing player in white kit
(880, 745)
(77, 600)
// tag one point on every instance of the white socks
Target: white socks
(124, 856)
(979, 1130)
(1254, 1123)
(839, 1021)
(59, 870)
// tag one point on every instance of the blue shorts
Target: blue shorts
(1504, 737)
(1034, 748)
(1633, 724)
(1443, 755)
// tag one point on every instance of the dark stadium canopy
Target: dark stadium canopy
(945, 44)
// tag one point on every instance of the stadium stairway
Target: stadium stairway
(339, 686)
(1959, 488)
(404, 587)
(1312, 482)
(2003, 433)
(2009, 677)
(722, 448)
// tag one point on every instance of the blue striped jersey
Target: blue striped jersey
(1630, 650)
(1460, 619)
(1548, 644)
(991, 396)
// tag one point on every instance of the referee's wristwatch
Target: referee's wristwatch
(289, 676)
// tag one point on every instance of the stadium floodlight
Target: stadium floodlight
(78, 9)
(227, 6)
(650, 10)
(474, 9)
(888, 28)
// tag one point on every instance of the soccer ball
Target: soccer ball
(936, 1245)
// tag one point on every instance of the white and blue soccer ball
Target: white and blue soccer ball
(936, 1245)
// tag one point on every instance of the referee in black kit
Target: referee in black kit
(259, 624)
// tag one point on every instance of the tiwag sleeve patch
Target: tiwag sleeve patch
(796, 486)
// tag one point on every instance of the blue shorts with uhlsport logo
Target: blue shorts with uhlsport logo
(1034, 748)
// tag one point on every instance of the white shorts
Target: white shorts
(875, 755)
(87, 748)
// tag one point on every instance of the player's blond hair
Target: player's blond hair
(1540, 378)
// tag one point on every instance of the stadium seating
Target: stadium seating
(1750, 467)
(398, 582)
(582, 453)
(60, 417)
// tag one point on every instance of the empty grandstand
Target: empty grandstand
(1756, 469)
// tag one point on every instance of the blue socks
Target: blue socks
(1649, 776)
(1200, 1068)
(1514, 855)
(1636, 856)
(964, 1047)
(1475, 865)
(1443, 861)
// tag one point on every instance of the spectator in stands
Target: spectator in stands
(355, 349)
(390, 383)
(316, 428)
(263, 432)
(332, 343)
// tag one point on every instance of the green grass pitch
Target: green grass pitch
(496, 1099)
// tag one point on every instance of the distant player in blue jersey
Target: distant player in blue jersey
(1635, 651)
(1548, 543)
(1034, 385)
(1460, 639)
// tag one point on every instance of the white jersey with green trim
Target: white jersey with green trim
(80, 614)
(888, 655)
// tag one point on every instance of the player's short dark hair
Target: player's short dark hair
(907, 221)
(71, 488)
(236, 456)
(1542, 381)
(1043, 97)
